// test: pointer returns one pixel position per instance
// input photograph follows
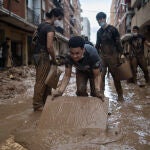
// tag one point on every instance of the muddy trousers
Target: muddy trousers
(139, 61)
(111, 63)
(81, 82)
(41, 91)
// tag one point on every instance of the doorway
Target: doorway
(16, 49)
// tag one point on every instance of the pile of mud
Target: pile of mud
(12, 81)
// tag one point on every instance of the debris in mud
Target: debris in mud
(12, 81)
(11, 145)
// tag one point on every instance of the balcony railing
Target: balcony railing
(32, 16)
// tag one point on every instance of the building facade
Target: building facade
(86, 27)
(19, 19)
(129, 13)
(121, 15)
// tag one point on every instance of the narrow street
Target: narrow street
(16, 115)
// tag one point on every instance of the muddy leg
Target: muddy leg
(143, 66)
(81, 81)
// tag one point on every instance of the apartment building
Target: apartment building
(141, 16)
(85, 27)
(121, 15)
(129, 13)
(19, 19)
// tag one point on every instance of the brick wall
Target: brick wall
(17, 8)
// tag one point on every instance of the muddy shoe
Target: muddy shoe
(39, 109)
(120, 98)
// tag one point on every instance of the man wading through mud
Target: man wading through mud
(44, 48)
(86, 60)
(110, 49)
(136, 52)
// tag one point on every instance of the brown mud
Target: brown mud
(128, 122)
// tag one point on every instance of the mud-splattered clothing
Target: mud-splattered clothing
(41, 91)
(137, 45)
(109, 47)
(137, 56)
(84, 67)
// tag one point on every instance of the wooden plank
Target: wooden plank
(74, 113)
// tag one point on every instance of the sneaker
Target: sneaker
(39, 109)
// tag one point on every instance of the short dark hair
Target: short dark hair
(76, 41)
(136, 28)
(56, 12)
(101, 15)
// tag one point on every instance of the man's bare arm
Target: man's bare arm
(97, 78)
(50, 47)
(65, 79)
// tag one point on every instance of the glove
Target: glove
(56, 93)
(100, 95)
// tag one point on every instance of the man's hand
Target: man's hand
(56, 93)
(100, 95)
(122, 56)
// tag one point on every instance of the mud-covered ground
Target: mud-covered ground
(131, 116)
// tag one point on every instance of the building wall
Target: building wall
(85, 27)
(18, 45)
(142, 16)
(122, 16)
(18, 23)
(142, 20)
(15, 7)
(112, 12)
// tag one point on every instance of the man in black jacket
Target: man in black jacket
(109, 47)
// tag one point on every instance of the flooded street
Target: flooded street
(130, 118)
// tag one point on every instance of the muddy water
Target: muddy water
(129, 123)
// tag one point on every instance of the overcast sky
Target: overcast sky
(90, 8)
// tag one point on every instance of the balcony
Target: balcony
(142, 16)
(138, 3)
(32, 17)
